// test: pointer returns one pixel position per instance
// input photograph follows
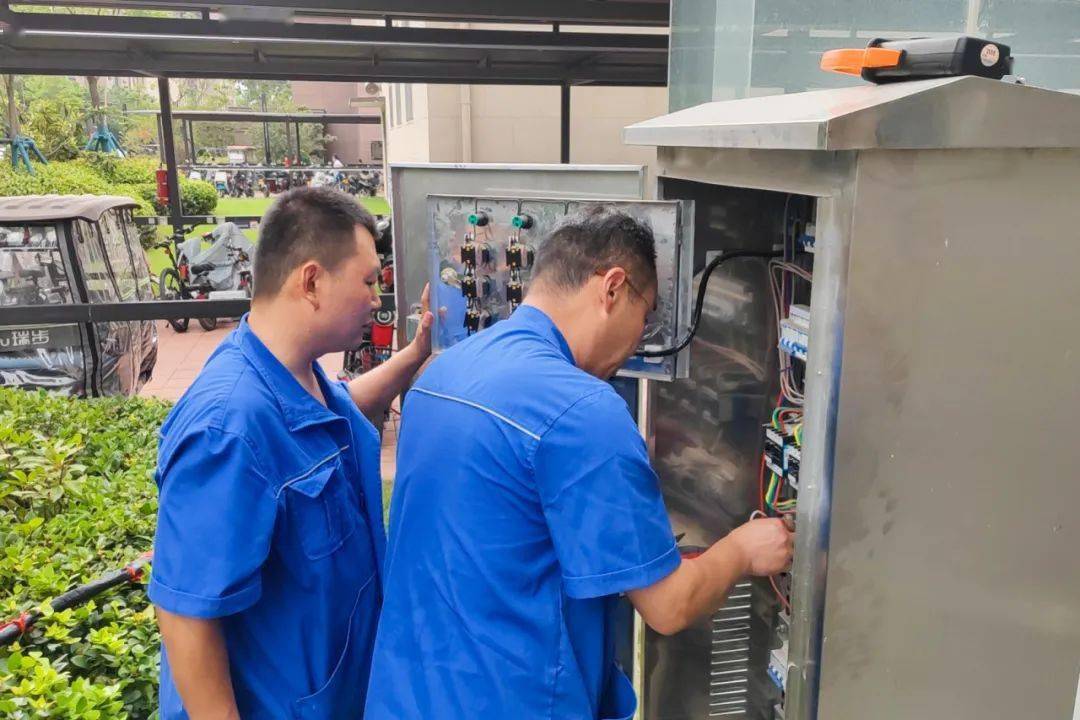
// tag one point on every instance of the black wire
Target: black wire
(717, 261)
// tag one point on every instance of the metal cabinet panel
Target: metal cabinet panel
(953, 584)
(411, 183)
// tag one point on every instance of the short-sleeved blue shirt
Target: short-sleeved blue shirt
(270, 518)
(524, 504)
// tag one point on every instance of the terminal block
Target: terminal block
(775, 442)
(475, 287)
(477, 320)
(782, 455)
(519, 256)
(792, 458)
(475, 254)
(515, 291)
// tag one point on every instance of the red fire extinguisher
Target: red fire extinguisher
(162, 176)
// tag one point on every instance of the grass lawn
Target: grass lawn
(244, 206)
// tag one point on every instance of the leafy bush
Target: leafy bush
(122, 171)
(197, 197)
(75, 177)
(100, 174)
(77, 500)
(56, 177)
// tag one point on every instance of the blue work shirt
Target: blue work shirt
(270, 518)
(524, 504)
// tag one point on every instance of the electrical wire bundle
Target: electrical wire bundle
(785, 276)
(787, 421)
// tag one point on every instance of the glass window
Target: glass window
(407, 92)
(31, 267)
(113, 239)
(723, 49)
(138, 256)
(92, 263)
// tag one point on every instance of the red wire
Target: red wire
(779, 595)
(761, 485)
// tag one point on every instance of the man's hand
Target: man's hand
(422, 342)
(376, 389)
(699, 586)
(765, 544)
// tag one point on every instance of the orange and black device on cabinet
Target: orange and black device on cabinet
(885, 61)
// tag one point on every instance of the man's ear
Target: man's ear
(611, 281)
(307, 279)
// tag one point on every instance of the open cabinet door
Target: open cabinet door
(481, 254)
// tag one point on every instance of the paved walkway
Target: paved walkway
(182, 355)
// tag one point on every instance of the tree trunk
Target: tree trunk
(12, 106)
(93, 83)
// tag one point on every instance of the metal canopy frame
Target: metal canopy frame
(187, 119)
(243, 116)
(267, 39)
(649, 13)
(39, 43)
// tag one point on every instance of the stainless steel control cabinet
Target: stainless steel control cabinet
(936, 571)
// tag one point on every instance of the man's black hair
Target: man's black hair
(306, 223)
(597, 239)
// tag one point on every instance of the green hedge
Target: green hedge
(99, 174)
(77, 500)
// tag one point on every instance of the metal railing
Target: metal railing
(120, 312)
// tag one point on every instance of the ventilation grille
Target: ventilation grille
(729, 661)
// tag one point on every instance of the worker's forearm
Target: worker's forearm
(199, 664)
(698, 587)
(718, 569)
(376, 389)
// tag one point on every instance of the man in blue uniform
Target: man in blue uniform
(270, 538)
(525, 504)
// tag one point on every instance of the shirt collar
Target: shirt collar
(298, 406)
(536, 320)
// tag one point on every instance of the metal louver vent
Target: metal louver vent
(729, 660)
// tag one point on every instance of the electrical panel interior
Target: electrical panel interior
(729, 442)
(482, 252)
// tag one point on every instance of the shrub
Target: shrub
(122, 171)
(77, 499)
(75, 177)
(100, 174)
(197, 197)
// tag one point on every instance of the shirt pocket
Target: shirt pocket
(619, 701)
(319, 510)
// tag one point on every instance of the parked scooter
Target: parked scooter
(223, 267)
(221, 183)
(241, 185)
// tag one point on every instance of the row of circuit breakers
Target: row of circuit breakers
(482, 253)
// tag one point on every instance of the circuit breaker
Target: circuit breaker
(482, 253)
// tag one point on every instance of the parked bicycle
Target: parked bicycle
(198, 274)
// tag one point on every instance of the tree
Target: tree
(94, 116)
(12, 105)
(54, 114)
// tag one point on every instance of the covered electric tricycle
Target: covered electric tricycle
(60, 250)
